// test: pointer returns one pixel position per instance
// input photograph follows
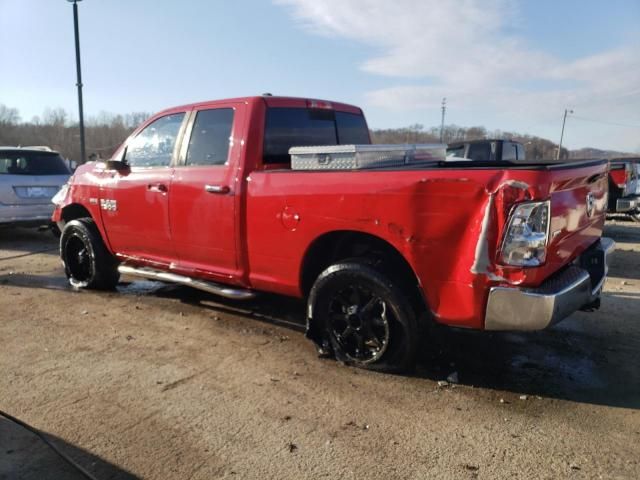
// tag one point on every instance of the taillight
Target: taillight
(525, 241)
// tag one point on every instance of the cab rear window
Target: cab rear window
(32, 163)
(304, 127)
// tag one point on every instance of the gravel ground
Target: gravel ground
(159, 382)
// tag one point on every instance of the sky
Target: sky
(513, 65)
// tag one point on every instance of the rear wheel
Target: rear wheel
(87, 262)
(365, 317)
(635, 216)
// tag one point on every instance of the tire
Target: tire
(87, 262)
(364, 317)
(635, 216)
(55, 230)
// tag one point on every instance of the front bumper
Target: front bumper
(628, 204)
(576, 287)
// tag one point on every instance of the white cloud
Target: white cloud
(469, 51)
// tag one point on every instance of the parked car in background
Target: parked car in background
(286, 195)
(490, 150)
(624, 187)
(29, 178)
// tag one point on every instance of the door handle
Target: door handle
(222, 189)
(157, 187)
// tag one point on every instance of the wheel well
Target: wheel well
(341, 245)
(74, 211)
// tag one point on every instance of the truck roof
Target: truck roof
(482, 140)
(274, 101)
(28, 149)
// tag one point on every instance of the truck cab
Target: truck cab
(490, 150)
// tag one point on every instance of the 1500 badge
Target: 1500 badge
(109, 205)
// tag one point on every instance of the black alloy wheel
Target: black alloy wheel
(359, 322)
(87, 262)
(364, 317)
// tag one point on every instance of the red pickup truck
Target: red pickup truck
(205, 195)
(624, 187)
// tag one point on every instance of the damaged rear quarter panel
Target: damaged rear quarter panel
(446, 223)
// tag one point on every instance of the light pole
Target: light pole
(83, 152)
(444, 109)
(564, 120)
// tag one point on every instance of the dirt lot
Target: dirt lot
(162, 382)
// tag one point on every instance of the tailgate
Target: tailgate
(29, 189)
(578, 194)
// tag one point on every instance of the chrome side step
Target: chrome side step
(211, 287)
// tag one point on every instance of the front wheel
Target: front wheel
(635, 216)
(87, 262)
(365, 317)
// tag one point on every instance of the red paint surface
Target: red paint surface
(258, 234)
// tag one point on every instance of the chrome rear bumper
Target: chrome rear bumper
(576, 287)
(627, 204)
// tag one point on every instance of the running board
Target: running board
(215, 288)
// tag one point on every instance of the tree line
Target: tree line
(55, 129)
(536, 148)
(106, 131)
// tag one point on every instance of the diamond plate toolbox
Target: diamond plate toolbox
(360, 157)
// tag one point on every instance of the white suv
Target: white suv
(29, 177)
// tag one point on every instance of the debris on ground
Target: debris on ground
(453, 377)
(292, 447)
(523, 397)
(443, 383)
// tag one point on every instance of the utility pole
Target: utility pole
(564, 120)
(83, 153)
(444, 109)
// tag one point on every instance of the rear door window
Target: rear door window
(480, 152)
(304, 127)
(210, 137)
(509, 152)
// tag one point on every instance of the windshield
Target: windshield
(304, 127)
(16, 162)
(455, 151)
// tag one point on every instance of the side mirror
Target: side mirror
(119, 165)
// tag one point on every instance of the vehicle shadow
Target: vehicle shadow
(623, 231)
(588, 358)
(578, 360)
(25, 456)
(18, 242)
(620, 261)
(582, 359)
(50, 282)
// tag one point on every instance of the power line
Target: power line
(605, 122)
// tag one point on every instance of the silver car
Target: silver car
(29, 177)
